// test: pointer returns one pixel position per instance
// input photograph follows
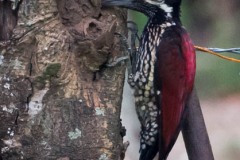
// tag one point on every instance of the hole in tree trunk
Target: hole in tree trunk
(8, 19)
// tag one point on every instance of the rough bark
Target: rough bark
(57, 100)
(8, 18)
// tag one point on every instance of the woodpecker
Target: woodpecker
(163, 74)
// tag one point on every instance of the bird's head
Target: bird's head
(148, 7)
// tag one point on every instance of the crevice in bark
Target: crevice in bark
(49, 63)
(8, 18)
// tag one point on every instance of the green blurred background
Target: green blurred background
(212, 23)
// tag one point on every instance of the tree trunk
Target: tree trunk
(57, 100)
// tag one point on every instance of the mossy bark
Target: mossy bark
(57, 99)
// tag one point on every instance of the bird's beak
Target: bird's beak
(120, 3)
(137, 5)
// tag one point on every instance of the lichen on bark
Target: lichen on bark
(49, 89)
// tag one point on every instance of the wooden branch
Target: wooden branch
(195, 133)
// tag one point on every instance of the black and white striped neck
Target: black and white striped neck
(167, 9)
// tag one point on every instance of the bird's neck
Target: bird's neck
(161, 16)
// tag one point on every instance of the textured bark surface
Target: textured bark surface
(57, 101)
(8, 17)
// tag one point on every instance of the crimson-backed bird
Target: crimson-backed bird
(163, 74)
